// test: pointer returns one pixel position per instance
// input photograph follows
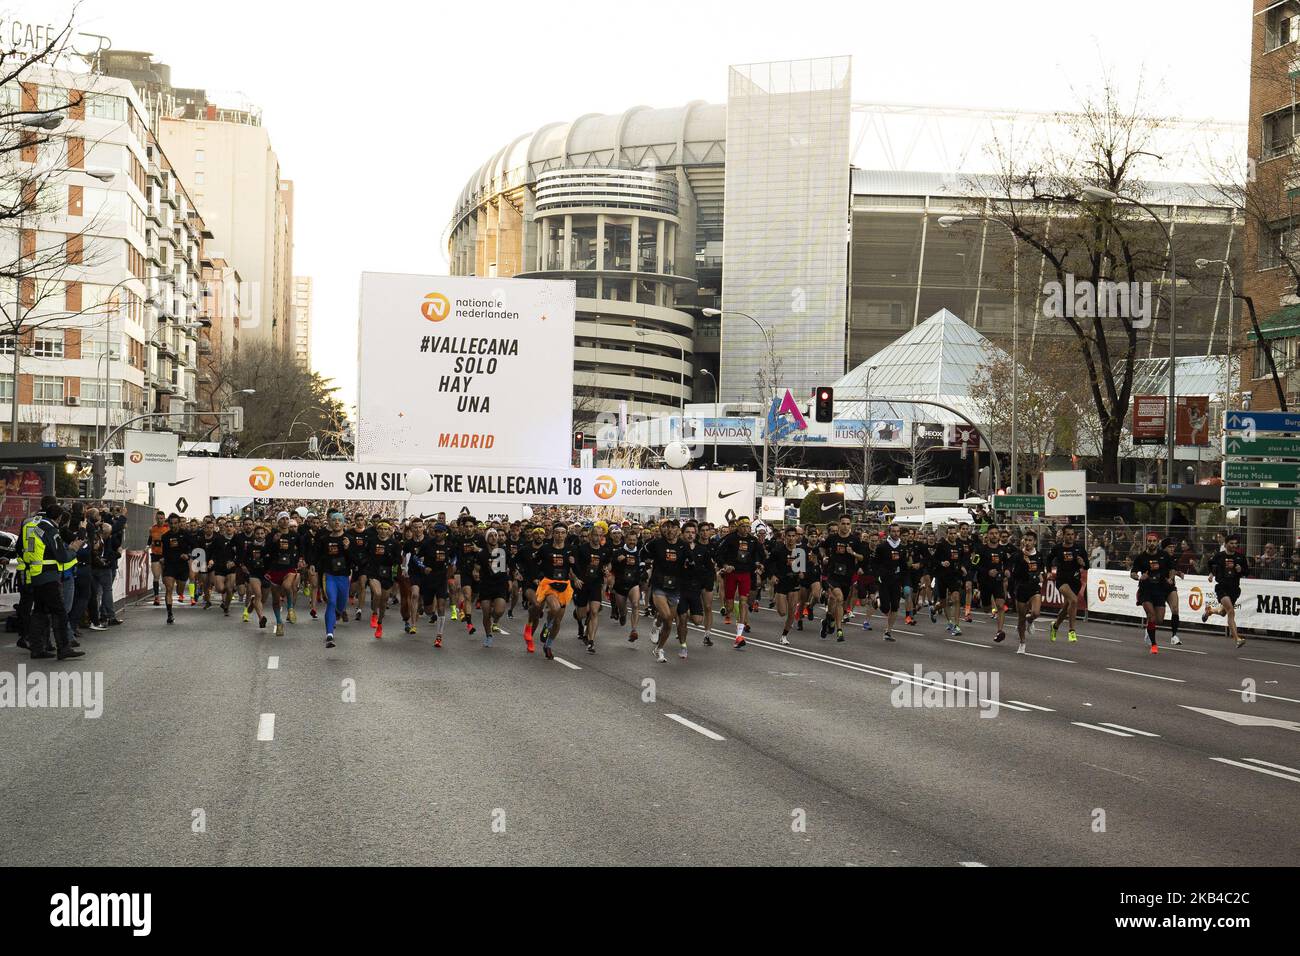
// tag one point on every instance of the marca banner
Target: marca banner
(149, 456)
(1264, 605)
(1149, 419)
(1193, 422)
(467, 485)
(1065, 493)
(909, 501)
(465, 370)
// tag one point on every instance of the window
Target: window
(1283, 26)
(1285, 351)
(105, 106)
(198, 179)
(92, 393)
(1279, 133)
(198, 155)
(47, 390)
(6, 345)
(48, 345)
(1275, 244)
(6, 387)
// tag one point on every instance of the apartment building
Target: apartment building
(302, 321)
(109, 327)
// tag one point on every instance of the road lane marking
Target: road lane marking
(572, 667)
(1238, 691)
(1131, 730)
(1249, 766)
(1063, 660)
(1104, 730)
(1275, 766)
(1176, 680)
(1032, 706)
(970, 863)
(1183, 650)
(695, 727)
(273, 663)
(1256, 660)
(950, 640)
(1109, 640)
(266, 727)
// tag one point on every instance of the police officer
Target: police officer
(46, 559)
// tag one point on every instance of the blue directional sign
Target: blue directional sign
(1238, 421)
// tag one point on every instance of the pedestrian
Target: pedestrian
(46, 557)
(104, 559)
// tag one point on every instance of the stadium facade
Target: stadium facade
(761, 208)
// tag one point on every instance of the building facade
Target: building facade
(754, 209)
(108, 300)
(302, 321)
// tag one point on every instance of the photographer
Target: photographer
(106, 553)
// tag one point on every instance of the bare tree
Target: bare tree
(1107, 144)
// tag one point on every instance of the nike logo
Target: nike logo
(832, 507)
(727, 494)
(173, 484)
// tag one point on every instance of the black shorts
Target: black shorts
(1232, 593)
(176, 569)
(623, 586)
(844, 584)
(492, 590)
(690, 602)
(891, 593)
(432, 586)
(1025, 595)
(948, 585)
(1074, 583)
(589, 593)
(1157, 596)
(787, 585)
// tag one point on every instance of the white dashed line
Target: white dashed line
(1238, 691)
(1046, 657)
(273, 663)
(694, 726)
(266, 727)
(572, 667)
(1176, 680)
(1108, 640)
(1256, 660)
(1131, 730)
(1247, 766)
(1104, 730)
(1275, 766)
(970, 863)
(951, 640)
(1033, 706)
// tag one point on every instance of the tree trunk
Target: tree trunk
(1110, 441)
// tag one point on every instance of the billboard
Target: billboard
(1192, 426)
(1149, 419)
(149, 456)
(1065, 493)
(465, 370)
(909, 501)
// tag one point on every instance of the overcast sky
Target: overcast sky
(380, 111)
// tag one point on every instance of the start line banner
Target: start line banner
(717, 491)
(1265, 605)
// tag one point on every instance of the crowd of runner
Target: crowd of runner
(657, 577)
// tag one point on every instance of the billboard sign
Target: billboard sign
(1193, 422)
(465, 370)
(1149, 419)
(149, 456)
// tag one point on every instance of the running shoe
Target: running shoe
(631, 638)
(866, 625)
(708, 641)
(487, 640)
(1155, 649)
(591, 647)
(374, 619)
(1071, 637)
(358, 617)
(659, 655)
(784, 640)
(170, 619)
(1174, 640)
(956, 630)
(528, 638)
(261, 622)
(999, 637)
(934, 615)
(909, 621)
(889, 637)
(682, 653)
(1020, 649)
(1205, 615)
(293, 616)
(279, 630)
(1051, 633)
(379, 632)
(245, 613)
(740, 642)
(437, 642)
(839, 635)
(1241, 642)
(313, 614)
(329, 640)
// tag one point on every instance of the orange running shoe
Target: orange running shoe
(379, 632)
(1154, 649)
(437, 642)
(528, 638)
(374, 620)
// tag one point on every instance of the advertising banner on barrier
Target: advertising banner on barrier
(719, 491)
(445, 370)
(1264, 605)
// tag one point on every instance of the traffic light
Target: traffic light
(825, 404)
(98, 475)
(579, 441)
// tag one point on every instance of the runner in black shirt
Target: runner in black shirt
(555, 590)
(668, 576)
(433, 562)
(308, 537)
(254, 560)
(283, 569)
(1227, 568)
(890, 566)
(740, 555)
(1067, 563)
(359, 537)
(176, 547)
(382, 558)
(996, 556)
(839, 551)
(700, 572)
(786, 563)
(949, 573)
(590, 561)
(1026, 582)
(625, 562)
(492, 577)
(529, 570)
(1153, 569)
(335, 564)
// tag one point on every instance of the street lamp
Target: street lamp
(1098, 194)
(771, 362)
(946, 222)
(716, 412)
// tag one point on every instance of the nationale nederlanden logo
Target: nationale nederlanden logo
(1053, 494)
(261, 478)
(605, 487)
(1102, 590)
(435, 307)
(137, 457)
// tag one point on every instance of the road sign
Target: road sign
(1262, 447)
(1234, 470)
(1239, 421)
(1235, 497)
(1018, 502)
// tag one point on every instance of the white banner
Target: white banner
(1264, 605)
(149, 456)
(465, 370)
(1065, 493)
(204, 478)
(773, 508)
(909, 501)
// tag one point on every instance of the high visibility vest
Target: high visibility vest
(33, 553)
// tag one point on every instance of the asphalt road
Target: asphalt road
(392, 752)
